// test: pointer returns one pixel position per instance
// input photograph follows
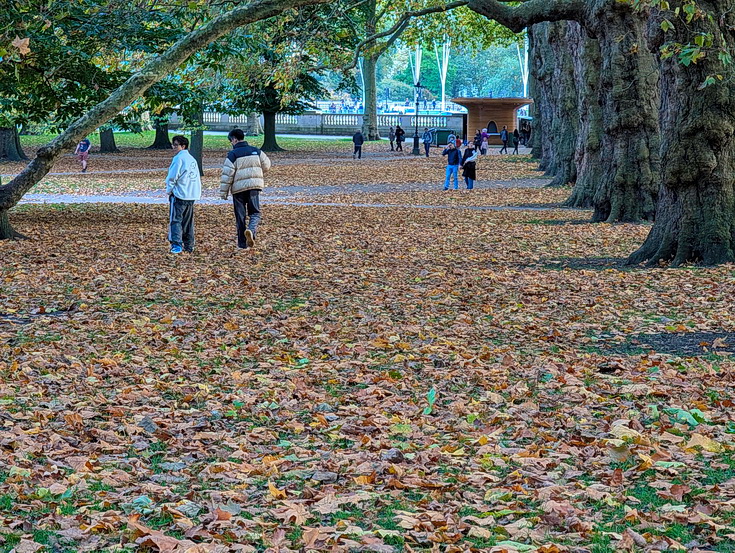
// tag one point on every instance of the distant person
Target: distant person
(426, 104)
(516, 138)
(82, 152)
(392, 137)
(454, 158)
(477, 141)
(184, 187)
(433, 104)
(427, 139)
(400, 137)
(242, 175)
(504, 137)
(452, 139)
(458, 141)
(358, 140)
(469, 165)
(408, 103)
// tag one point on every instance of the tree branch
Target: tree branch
(532, 11)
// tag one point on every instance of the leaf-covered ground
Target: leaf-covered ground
(369, 379)
(314, 163)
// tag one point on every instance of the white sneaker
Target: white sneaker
(249, 238)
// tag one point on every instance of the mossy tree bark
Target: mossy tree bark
(696, 210)
(628, 183)
(589, 136)
(541, 71)
(628, 93)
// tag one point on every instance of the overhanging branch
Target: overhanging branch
(517, 18)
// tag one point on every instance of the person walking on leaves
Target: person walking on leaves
(392, 137)
(242, 175)
(184, 187)
(400, 136)
(358, 140)
(427, 139)
(454, 158)
(516, 139)
(82, 152)
(504, 136)
(469, 165)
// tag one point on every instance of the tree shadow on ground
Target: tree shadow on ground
(682, 344)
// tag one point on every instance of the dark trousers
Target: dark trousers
(505, 147)
(391, 146)
(358, 151)
(181, 223)
(247, 206)
(399, 146)
(427, 145)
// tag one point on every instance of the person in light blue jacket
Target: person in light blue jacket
(184, 187)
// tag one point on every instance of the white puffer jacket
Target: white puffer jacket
(243, 170)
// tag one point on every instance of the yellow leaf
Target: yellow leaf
(708, 444)
(275, 492)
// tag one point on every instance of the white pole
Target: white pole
(443, 64)
(523, 64)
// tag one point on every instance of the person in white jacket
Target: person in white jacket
(184, 187)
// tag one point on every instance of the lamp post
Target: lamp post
(416, 151)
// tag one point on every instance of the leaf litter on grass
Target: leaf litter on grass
(278, 399)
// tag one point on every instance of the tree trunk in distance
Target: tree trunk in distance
(370, 113)
(270, 144)
(161, 141)
(107, 141)
(10, 149)
(695, 221)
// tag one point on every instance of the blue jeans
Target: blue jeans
(469, 182)
(452, 170)
(427, 145)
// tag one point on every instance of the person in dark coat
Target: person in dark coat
(504, 137)
(400, 137)
(392, 138)
(516, 138)
(358, 140)
(469, 166)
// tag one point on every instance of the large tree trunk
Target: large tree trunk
(628, 182)
(564, 112)
(696, 211)
(161, 140)
(107, 141)
(534, 92)
(370, 114)
(10, 148)
(137, 84)
(589, 137)
(270, 144)
(541, 71)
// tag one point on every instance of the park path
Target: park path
(300, 196)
